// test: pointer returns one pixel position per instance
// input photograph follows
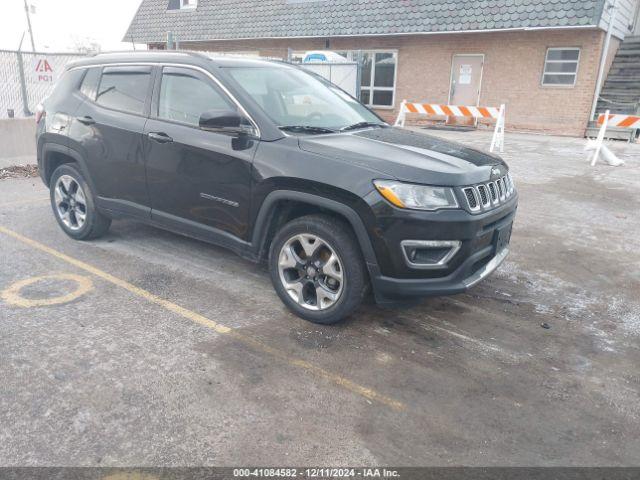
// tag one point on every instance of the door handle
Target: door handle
(160, 137)
(86, 120)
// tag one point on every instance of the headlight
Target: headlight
(417, 197)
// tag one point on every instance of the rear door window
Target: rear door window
(89, 85)
(124, 88)
(186, 94)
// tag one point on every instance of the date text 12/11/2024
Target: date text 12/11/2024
(315, 473)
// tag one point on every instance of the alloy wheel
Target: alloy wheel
(311, 272)
(70, 202)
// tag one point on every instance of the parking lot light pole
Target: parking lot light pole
(33, 43)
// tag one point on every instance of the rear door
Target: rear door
(197, 179)
(109, 128)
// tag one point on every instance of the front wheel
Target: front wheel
(317, 269)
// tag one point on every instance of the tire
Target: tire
(317, 294)
(75, 210)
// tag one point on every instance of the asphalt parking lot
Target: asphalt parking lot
(150, 349)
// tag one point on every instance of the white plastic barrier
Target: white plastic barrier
(608, 120)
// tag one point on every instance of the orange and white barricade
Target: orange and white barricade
(605, 121)
(435, 110)
(620, 121)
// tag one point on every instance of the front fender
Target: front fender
(267, 211)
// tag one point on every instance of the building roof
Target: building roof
(247, 19)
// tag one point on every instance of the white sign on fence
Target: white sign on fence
(27, 78)
(42, 71)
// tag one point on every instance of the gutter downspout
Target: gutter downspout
(603, 58)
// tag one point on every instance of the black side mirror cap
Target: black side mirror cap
(225, 121)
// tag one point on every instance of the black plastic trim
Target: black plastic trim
(268, 209)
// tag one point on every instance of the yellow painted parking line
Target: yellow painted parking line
(32, 201)
(337, 379)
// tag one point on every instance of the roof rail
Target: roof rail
(142, 52)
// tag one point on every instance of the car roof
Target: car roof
(181, 57)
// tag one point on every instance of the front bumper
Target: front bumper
(485, 245)
(392, 290)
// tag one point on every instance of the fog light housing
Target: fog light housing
(429, 254)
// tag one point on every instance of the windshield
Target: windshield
(292, 97)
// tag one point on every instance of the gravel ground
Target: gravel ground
(19, 171)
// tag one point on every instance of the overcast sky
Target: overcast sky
(59, 24)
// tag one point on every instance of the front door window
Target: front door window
(184, 97)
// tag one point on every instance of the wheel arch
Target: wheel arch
(268, 220)
(54, 155)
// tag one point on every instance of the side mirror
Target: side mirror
(225, 121)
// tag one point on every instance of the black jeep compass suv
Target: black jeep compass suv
(275, 164)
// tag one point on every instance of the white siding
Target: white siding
(625, 18)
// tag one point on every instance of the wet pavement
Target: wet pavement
(146, 348)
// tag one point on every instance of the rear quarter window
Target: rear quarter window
(89, 86)
(66, 85)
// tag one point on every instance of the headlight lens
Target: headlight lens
(417, 197)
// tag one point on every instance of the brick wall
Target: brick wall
(512, 71)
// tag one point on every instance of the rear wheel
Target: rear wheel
(317, 269)
(74, 206)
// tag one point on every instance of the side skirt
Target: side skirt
(121, 209)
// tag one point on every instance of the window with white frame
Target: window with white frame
(378, 75)
(378, 80)
(183, 4)
(561, 67)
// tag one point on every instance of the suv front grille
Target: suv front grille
(486, 196)
(494, 192)
(472, 201)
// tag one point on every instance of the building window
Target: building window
(182, 4)
(378, 75)
(561, 67)
(378, 81)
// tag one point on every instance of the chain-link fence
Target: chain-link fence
(26, 78)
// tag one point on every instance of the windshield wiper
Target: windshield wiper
(358, 125)
(305, 129)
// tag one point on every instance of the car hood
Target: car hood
(407, 155)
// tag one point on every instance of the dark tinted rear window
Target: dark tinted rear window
(124, 88)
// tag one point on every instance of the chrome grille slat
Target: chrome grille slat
(500, 189)
(511, 185)
(472, 199)
(486, 196)
(483, 195)
(507, 190)
(494, 192)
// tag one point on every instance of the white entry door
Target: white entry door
(466, 82)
